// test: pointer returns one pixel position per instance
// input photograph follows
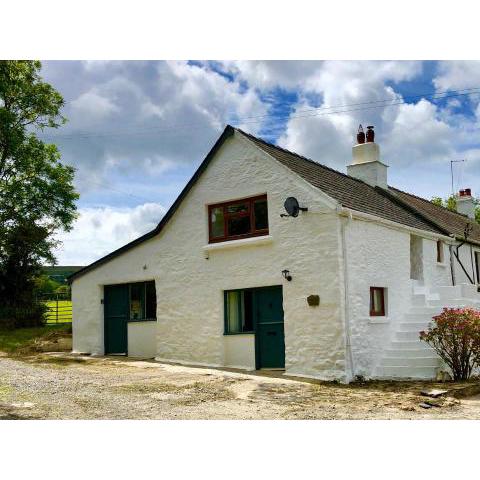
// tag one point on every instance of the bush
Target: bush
(455, 336)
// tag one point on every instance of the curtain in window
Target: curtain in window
(234, 311)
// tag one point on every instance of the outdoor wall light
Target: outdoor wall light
(286, 275)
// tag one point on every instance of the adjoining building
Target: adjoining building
(337, 286)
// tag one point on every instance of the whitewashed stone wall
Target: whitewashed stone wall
(377, 257)
(190, 287)
(466, 254)
(434, 273)
(142, 339)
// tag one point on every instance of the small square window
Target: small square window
(377, 301)
(440, 254)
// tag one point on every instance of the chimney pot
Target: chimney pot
(366, 164)
(370, 134)
(360, 135)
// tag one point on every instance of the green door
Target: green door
(270, 336)
(116, 315)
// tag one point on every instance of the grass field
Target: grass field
(12, 340)
(64, 311)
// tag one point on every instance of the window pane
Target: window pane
(377, 301)
(238, 226)
(234, 320)
(248, 311)
(217, 221)
(136, 301)
(238, 208)
(150, 300)
(261, 214)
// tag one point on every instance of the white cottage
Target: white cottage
(338, 289)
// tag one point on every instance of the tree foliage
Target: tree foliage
(455, 336)
(37, 197)
(451, 204)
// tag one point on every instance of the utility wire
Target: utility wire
(320, 111)
(109, 187)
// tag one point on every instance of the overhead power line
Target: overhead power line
(314, 112)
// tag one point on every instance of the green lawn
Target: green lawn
(11, 340)
(64, 311)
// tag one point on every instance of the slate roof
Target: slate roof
(348, 191)
(391, 204)
(452, 222)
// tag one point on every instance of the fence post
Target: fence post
(57, 309)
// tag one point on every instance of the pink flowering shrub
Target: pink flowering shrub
(455, 336)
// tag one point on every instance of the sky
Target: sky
(137, 130)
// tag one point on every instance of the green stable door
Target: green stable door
(116, 308)
(270, 335)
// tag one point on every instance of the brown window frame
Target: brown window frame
(380, 313)
(250, 201)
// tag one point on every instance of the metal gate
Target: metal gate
(58, 307)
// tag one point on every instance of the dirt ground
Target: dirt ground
(63, 386)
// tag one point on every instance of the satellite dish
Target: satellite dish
(292, 207)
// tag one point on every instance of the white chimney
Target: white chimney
(366, 164)
(466, 203)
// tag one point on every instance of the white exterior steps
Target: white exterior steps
(407, 356)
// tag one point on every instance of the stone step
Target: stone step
(410, 362)
(449, 292)
(410, 352)
(406, 372)
(470, 291)
(407, 336)
(425, 310)
(418, 299)
(412, 326)
(408, 344)
(451, 303)
(416, 318)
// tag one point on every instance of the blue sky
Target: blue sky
(137, 130)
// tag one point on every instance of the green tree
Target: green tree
(37, 197)
(451, 204)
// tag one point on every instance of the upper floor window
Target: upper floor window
(238, 219)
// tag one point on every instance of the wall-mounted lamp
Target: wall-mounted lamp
(286, 275)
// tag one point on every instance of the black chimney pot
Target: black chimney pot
(370, 134)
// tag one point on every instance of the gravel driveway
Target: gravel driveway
(59, 386)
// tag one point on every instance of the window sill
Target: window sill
(243, 242)
(377, 320)
(138, 320)
(227, 334)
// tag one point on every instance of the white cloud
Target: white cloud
(457, 75)
(99, 231)
(136, 116)
(328, 135)
(93, 106)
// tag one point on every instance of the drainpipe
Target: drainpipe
(346, 299)
(452, 265)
